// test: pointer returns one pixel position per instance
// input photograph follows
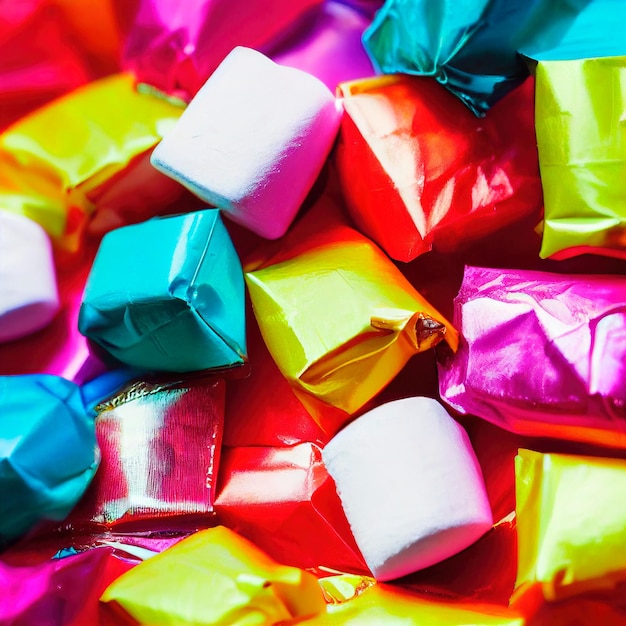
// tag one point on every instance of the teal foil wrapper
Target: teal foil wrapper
(168, 295)
(48, 451)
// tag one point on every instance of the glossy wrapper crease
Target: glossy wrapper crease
(215, 577)
(581, 139)
(334, 310)
(541, 354)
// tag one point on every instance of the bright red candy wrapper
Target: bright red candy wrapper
(418, 169)
(160, 449)
(176, 46)
(541, 354)
(284, 501)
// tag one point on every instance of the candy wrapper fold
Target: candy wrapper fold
(571, 522)
(444, 177)
(360, 601)
(56, 162)
(168, 294)
(338, 317)
(284, 501)
(581, 138)
(175, 47)
(541, 354)
(160, 447)
(215, 577)
(48, 451)
(469, 46)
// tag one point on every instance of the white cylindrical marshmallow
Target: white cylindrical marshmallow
(410, 485)
(29, 297)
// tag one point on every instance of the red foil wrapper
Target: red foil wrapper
(283, 500)
(176, 46)
(443, 176)
(37, 62)
(541, 354)
(160, 453)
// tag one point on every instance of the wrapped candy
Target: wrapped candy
(571, 523)
(337, 316)
(160, 447)
(283, 500)
(59, 591)
(61, 161)
(360, 601)
(37, 63)
(443, 176)
(48, 453)
(254, 158)
(215, 577)
(185, 313)
(29, 298)
(541, 354)
(431, 501)
(470, 47)
(328, 45)
(581, 139)
(177, 47)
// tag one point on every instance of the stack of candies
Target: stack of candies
(312, 311)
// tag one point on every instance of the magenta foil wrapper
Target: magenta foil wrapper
(175, 46)
(160, 449)
(541, 354)
(328, 45)
(60, 591)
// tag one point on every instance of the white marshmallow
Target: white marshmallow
(253, 141)
(29, 297)
(410, 485)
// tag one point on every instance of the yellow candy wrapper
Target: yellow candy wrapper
(215, 577)
(338, 316)
(58, 161)
(581, 137)
(361, 601)
(571, 523)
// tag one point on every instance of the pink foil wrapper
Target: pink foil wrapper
(175, 46)
(160, 449)
(61, 591)
(541, 354)
(328, 45)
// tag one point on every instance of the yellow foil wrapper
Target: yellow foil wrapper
(215, 577)
(571, 523)
(340, 319)
(55, 160)
(581, 137)
(360, 601)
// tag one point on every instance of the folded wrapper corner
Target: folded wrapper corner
(339, 318)
(63, 161)
(444, 177)
(581, 138)
(571, 523)
(541, 354)
(48, 451)
(215, 577)
(168, 294)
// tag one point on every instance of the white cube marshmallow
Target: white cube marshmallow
(253, 141)
(410, 485)
(29, 297)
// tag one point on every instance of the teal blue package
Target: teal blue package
(477, 48)
(48, 451)
(168, 295)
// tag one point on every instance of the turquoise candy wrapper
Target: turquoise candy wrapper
(470, 46)
(48, 451)
(168, 295)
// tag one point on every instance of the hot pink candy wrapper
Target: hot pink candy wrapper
(542, 354)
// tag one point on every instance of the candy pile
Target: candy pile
(312, 312)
